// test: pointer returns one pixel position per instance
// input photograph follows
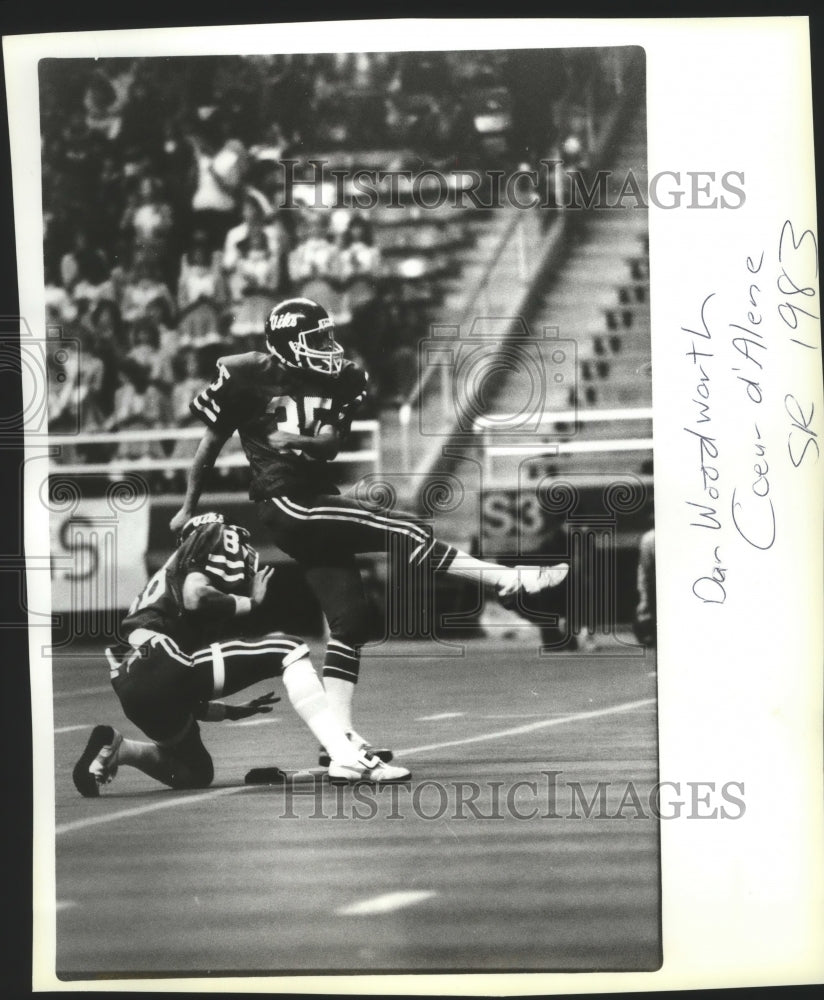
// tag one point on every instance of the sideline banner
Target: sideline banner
(98, 555)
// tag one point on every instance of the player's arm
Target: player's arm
(201, 597)
(217, 711)
(209, 448)
(325, 445)
(216, 406)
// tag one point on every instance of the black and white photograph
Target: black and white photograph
(358, 375)
(360, 381)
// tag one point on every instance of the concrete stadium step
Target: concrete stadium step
(617, 224)
(635, 393)
(598, 298)
(623, 249)
(631, 358)
(511, 468)
(603, 294)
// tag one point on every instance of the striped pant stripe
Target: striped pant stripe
(341, 661)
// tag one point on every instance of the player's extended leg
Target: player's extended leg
(308, 529)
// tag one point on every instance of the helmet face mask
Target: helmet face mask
(251, 559)
(301, 334)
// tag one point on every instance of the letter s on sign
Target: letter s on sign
(83, 550)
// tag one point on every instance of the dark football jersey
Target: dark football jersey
(215, 550)
(256, 396)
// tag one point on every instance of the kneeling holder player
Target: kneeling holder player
(179, 656)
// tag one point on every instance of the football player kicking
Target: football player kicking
(178, 657)
(292, 406)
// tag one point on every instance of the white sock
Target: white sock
(305, 692)
(340, 694)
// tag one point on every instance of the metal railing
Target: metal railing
(484, 426)
(230, 459)
(504, 280)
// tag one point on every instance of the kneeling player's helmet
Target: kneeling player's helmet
(199, 521)
(239, 547)
(301, 334)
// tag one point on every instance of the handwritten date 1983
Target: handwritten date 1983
(799, 267)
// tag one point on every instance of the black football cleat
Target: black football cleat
(95, 767)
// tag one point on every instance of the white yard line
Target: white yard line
(184, 800)
(443, 715)
(388, 902)
(73, 729)
(78, 692)
(501, 734)
(522, 715)
(165, 803)
(258, 722)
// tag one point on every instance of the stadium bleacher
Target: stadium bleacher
(182, 200)
(128, 148)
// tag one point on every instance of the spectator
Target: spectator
(107, 334)
(159, 313)
(146, 352)
(60, 309)
(254, 283)
(143, 115)
(76, 392)
(175, 164)
(200, 275)
(272, 145)
(104, 102)
(256, 210)
(188, 372)
(359, 256)
(84, 270)
(315, 256)
(150, 220)
(142, 288)
(220, 174)
(257, 269)
(109, 182)
(138, 406)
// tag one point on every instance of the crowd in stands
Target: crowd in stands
(165, 242)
